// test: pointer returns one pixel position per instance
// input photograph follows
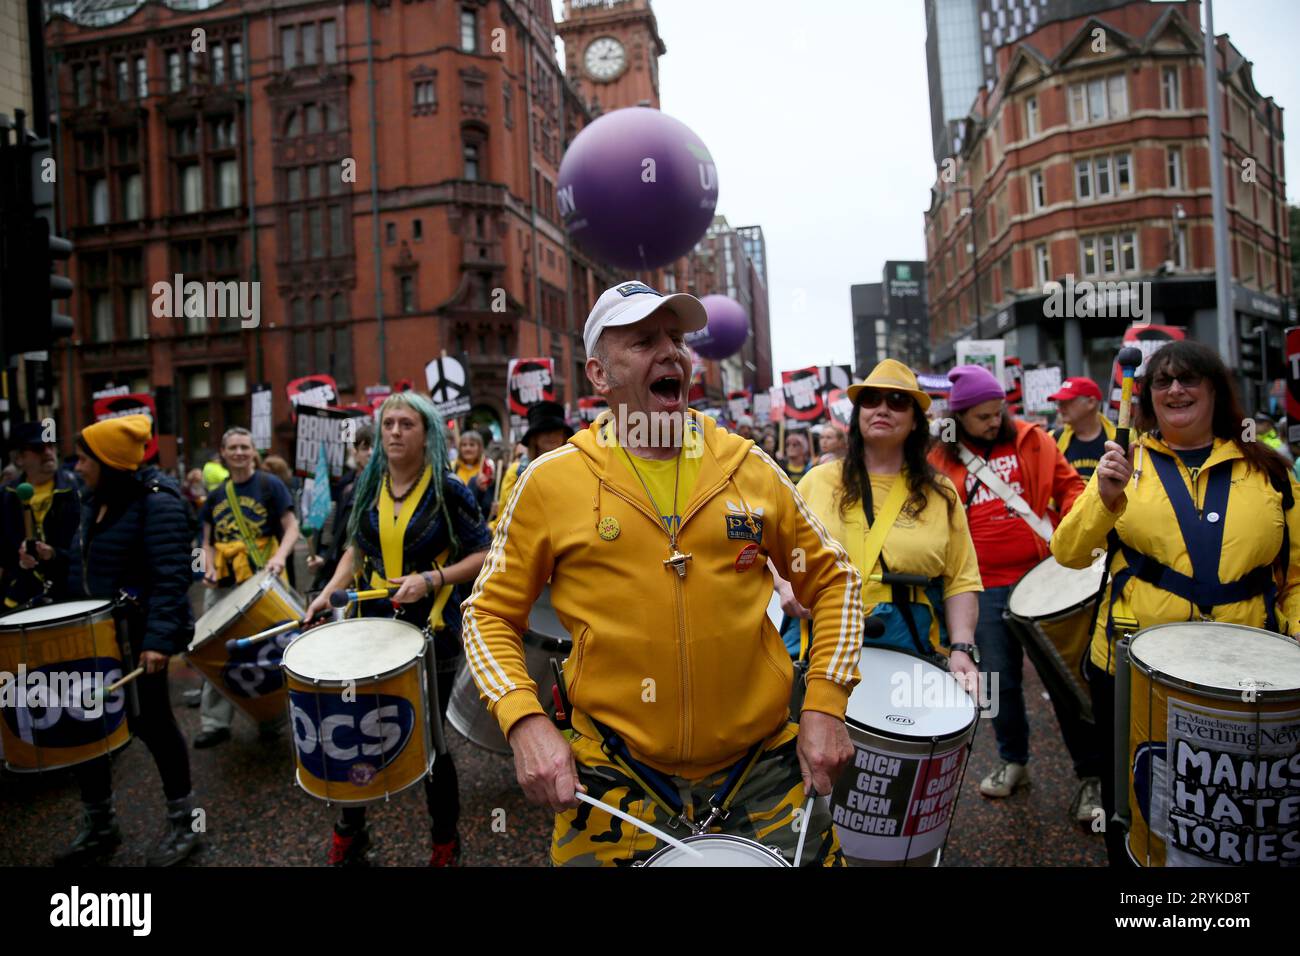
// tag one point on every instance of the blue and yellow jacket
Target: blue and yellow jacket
(1146, 523)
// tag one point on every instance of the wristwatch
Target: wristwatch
(970, 649)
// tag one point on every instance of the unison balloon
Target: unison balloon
(726, 332)
(637, 188)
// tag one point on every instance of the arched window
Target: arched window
(473, 161)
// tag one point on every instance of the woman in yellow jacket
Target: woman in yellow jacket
(1198, 522)
(928, 537)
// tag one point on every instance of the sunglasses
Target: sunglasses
(897, 401)
(1188, 380)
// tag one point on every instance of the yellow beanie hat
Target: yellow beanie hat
(119, 442)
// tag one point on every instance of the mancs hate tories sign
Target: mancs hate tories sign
(331, 427)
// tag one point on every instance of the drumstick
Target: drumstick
(235, 643)
(803, 831)
(345, 596)
(1128, 360)
(117, 685)
(653, 831)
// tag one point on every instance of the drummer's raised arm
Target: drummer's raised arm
(516, 568)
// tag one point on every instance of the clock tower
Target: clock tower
(611, 52)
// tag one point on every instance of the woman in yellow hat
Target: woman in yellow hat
(885, 474)
(135, 547)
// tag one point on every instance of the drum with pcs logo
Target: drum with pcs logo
(250, 677)
(56, 657)
(359, 708)
(717, 849)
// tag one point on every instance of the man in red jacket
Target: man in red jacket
(1009, 539)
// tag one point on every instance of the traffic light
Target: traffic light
(1250, 354)
(29, 285)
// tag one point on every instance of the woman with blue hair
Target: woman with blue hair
(416, 528)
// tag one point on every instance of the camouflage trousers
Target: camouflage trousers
(764, 810)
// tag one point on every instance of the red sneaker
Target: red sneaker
(446, 854)
(349, 850)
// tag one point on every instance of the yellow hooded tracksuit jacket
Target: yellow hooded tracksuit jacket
(1145, 521)
(690, 672)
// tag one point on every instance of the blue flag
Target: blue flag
(316, 503)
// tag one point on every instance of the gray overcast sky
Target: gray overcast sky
(817, 115)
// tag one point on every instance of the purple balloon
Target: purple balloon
(637, 189)
(726, 332)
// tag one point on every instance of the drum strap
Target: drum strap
(899, 595)
(661, 790)
(1202, 532)
(258, 555)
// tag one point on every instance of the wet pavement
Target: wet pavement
(257, 816)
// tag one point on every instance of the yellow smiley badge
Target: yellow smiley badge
(608, 528)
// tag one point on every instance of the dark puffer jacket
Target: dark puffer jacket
(63, 571)
(144, 545)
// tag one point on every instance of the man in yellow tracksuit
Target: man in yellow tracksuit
(655, 544)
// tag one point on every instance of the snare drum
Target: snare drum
(1051, 612)
(717, 849)
(359, 707)
(59, 655)
(911, 724)
(1214, 734)
(545, 641)
(249, 678)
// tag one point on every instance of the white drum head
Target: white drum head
(718, 849)
(353, 650)
(1224, 657)
(1051, 588)
(904, 696)
(226, 611)
(50, 613)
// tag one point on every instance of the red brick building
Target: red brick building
(385, 171)
(1090, 159)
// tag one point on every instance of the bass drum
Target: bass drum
(546, 640)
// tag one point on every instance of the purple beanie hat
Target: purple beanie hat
(972, 384)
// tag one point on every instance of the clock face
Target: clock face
(605, 58)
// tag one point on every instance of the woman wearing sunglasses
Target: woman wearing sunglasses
(884, 473)
(1191, 496)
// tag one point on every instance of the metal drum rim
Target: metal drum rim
(262, 590)
(1262, 694)
(344, 681)
(104, 612)
(716, 838)
(1072, 609)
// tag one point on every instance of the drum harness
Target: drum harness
(1202, 531)
(663, 793)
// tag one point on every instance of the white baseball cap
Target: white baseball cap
(629, 302)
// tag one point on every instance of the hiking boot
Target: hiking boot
(349, 847)
(98, 838)
(446, 854)
(1005, 779)
(179, 839)
(1087, 800)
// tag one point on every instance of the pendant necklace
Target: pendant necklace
(677, 560)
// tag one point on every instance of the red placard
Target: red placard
(840, 407)
(529, 381)
(1293, 383)
(803, 396)
(1150, 339)
(590, 407)
(317, 391)
(116, 406)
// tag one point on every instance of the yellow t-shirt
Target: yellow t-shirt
(660, 476)
(42, 498)
(934, 543)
